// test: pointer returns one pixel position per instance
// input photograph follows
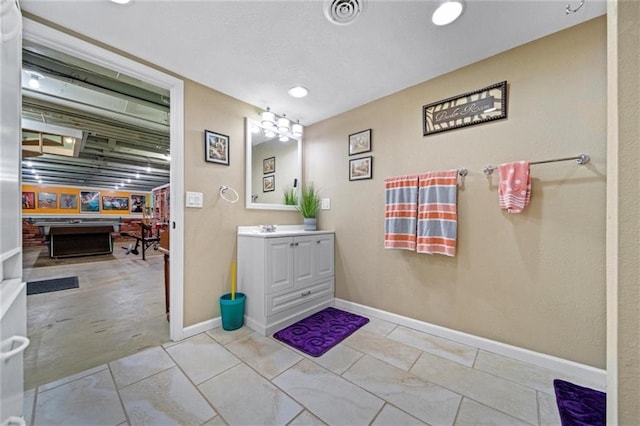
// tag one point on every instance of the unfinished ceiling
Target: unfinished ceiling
(87, 126)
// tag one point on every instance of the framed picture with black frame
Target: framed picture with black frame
(269, 183)
(361, 168)
(216, 148)
(269, 165)
(360, 142)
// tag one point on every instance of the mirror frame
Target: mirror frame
(249, 204)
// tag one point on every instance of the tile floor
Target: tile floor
(118, 310)
(383, 374)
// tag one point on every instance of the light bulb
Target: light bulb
(34, 82)
(284, 124)
(296, 130)
(268, 118)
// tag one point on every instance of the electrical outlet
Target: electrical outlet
(325, 204)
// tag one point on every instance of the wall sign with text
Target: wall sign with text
(480, 106)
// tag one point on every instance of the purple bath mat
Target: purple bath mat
(580, 406)
(316, 334)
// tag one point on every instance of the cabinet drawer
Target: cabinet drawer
(282, 302)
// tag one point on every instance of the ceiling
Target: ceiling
(120, 125)
(256, 50)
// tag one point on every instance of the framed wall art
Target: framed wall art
(468, 109)
(361, 168)
(47, 200)
(69, 201)
(115, 203)
(269, 183)
(216, 148)
(360, 142)
(89, 201)
(269, 165)
(138, 201)
(29, 200)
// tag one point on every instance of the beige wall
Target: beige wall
(623, 251)
(534, 280)
(210, 232)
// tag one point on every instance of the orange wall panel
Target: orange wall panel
(40, 199)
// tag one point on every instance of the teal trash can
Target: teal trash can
(232, 311)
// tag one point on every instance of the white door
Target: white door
(13, 322)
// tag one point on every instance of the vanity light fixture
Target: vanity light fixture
(298, 92)
(447, 12)
(284, 138)
(274, 124)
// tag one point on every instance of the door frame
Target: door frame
(65, 43)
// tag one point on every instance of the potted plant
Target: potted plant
(290, 197)
(309, 205)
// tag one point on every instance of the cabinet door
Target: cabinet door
(304, 261)
(324, 256)
(279, 264)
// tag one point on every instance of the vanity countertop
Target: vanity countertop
(281, 231)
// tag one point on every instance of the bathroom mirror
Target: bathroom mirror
(272, 166)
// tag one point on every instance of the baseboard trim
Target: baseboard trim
(201, 327)
(587, 373)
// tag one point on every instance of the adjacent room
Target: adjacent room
(378, 214)
(95, 177)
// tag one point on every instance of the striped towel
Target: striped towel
(514, 189)
(437, 212)
(400, 212)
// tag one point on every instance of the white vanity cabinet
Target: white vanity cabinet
(285, 276)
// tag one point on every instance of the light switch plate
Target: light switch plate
(325, 203)
(194, 199)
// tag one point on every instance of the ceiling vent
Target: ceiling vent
(343, 12)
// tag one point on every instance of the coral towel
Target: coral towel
(437, 212)
(400, 212)
(514, 190)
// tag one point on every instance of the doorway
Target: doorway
(56, 40)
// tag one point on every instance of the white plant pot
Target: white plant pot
(310, 223)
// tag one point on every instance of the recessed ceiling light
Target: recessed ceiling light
(121, 1)
(447, 12)
(298, 92)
